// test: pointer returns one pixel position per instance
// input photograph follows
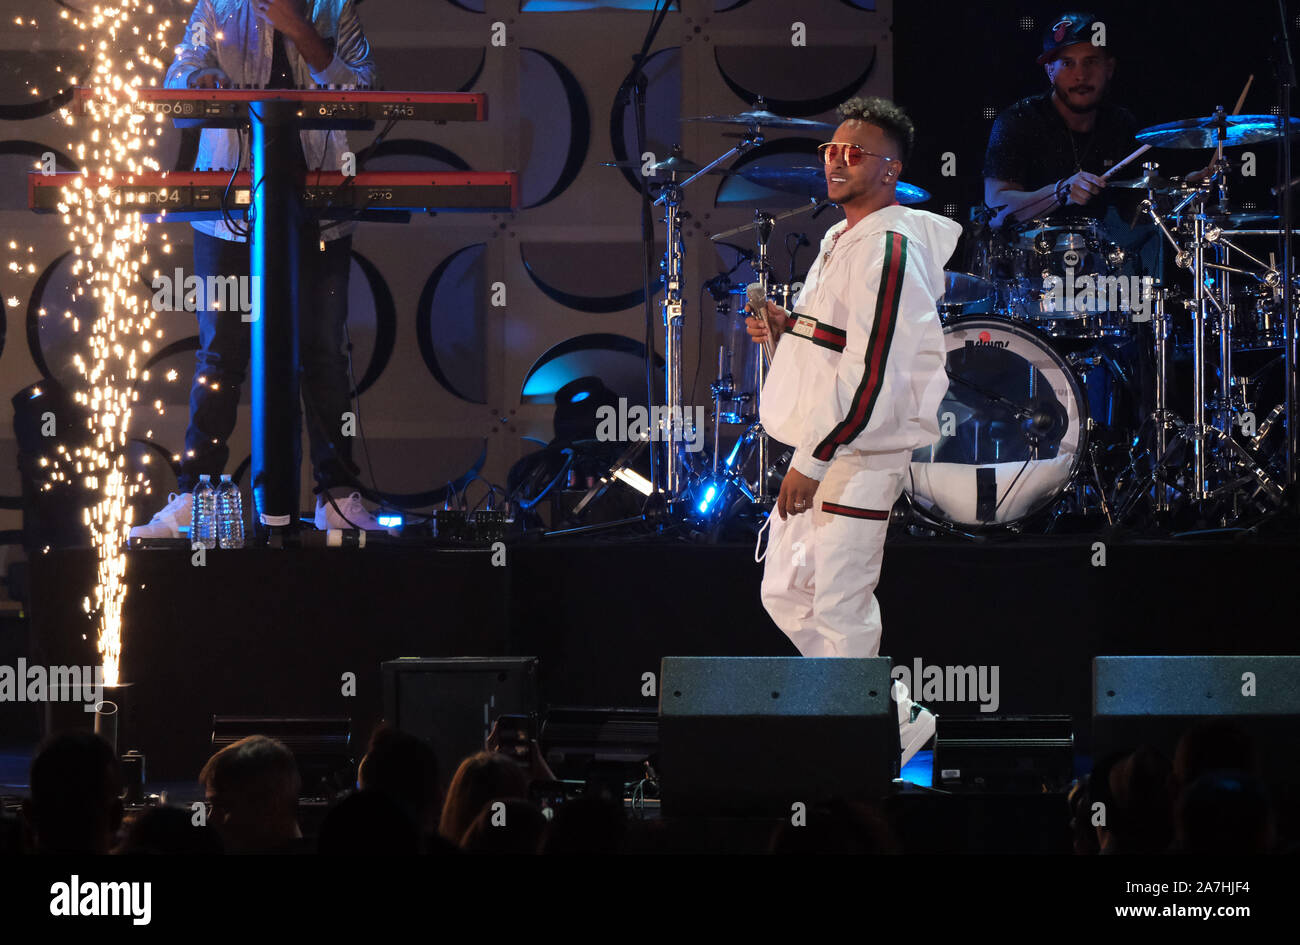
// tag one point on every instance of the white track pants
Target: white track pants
(821, 567)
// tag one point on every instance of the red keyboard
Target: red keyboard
(217, 106)
(193, 194)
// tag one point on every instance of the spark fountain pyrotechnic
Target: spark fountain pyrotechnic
(121, 41)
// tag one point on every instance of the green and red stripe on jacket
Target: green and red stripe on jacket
(888, 301)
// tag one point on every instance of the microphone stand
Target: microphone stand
(633, 88)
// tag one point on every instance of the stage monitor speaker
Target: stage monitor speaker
(322, 746)
(1011, 753)
(1153, 700)
(754, 735)
(577, 740)
(452, 703)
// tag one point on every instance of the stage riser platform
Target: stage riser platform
(276, 632)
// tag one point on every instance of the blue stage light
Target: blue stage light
(707, 500)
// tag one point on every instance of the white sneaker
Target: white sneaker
(916, 723)
(350, 514)
(913, 735)
(169, 522)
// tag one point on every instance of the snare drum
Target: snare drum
(1013, 427)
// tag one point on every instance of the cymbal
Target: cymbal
(760, 117)
(1145, 182)
(962, 288)
(808, 180)
(909, 194)
(1244, 218)
(669, 165)
(1204, 132)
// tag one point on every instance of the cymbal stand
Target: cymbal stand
(672, 430)
(1199, 435)
(674, 255)
(1162, 324)
(763, 223)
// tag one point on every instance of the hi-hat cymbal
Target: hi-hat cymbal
(808, 180)
(1234, 218)
(676, 164)
(1146, 182)
(760, 117)
(1204, 132)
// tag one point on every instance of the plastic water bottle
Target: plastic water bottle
(203, 529)
(230, 515)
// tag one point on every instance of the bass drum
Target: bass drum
(1013, 428)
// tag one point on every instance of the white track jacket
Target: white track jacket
(862, 365)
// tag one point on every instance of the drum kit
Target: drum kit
(1083, 388)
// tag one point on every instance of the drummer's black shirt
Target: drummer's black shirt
(1030, 145)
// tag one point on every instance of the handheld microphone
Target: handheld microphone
(758, 304)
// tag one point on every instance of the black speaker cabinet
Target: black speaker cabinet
(452, 703)
(1152, 700)
(754, 735)
(1012, 753)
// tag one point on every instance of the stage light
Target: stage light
(389, 521)
(634, 479)
(707, 502)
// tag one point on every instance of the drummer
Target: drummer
(1045, 159)
(1047, 153)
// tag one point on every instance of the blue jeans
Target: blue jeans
(221, 365)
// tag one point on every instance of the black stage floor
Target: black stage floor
(274, 632)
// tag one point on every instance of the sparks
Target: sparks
(108, 243)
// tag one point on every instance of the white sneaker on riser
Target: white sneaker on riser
(174, 516)
(350, 514)
(913, 735)
(916, 723)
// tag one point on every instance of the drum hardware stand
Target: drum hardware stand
(1162, 323)
(670, 196)
(763, 224)
(1197, 433)
(1229, 401)
(724, 389)
(1284, 67)
(754, 439)
(1096, 477)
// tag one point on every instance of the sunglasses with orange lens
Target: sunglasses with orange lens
(853, 154)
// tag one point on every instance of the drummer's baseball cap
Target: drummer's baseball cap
(1069, 29)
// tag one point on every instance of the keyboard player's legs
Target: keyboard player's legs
(326, 386)
(220, 368)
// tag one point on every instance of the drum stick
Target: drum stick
(1132, 157)
(1241, 100)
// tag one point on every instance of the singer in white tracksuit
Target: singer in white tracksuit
(855, 386)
